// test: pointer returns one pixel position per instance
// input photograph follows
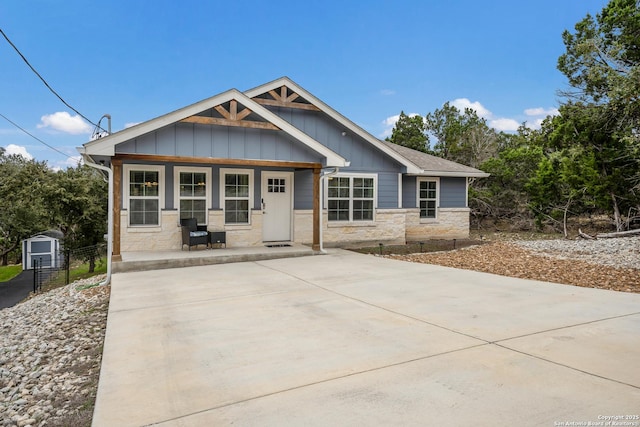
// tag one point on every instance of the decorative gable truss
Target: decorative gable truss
(230, 113)
(284, 97)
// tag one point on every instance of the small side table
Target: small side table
(218, 237)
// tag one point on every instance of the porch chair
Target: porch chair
(192, 234)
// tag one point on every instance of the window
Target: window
(193, 188)
(236, 192)
(144, 194)
(351, 198)
(276, 185)
(428, 197)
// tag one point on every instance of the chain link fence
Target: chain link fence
(76, 264)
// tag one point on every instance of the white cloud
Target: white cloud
(535, 116)
(17, 149)
(387, 92)
(501, 124)
(504, 124)
(65, 122)
(539, 111)
(462, 103)
(69, 162)
(74, 161)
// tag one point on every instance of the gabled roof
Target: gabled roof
(435, 166)
(106, 146)
(416, 162)
(348, 124)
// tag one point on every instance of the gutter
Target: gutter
(89, 162)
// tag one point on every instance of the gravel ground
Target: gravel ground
(612, 264)
(51, 344)
(50, 353)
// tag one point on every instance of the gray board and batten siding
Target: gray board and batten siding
(453, 192)
(363, 157)
(196, 140)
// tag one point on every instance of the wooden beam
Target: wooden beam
(283, 93)
(217, 161)
(233, 110)
(298, 105)
(242, 114)
(228, 122)
(291, 97)
(220, 109)
(275, 95)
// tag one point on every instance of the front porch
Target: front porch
(142, 261)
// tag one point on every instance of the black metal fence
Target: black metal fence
(76, 264)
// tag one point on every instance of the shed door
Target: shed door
(277, 206)
(40, 250)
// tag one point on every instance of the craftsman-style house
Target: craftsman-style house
(275, 164)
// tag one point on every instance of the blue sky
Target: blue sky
(136, 60)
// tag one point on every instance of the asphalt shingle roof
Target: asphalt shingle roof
(429, 163)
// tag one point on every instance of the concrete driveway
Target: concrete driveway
(349, 339)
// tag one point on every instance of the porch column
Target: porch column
(116, 166)
(316, 209)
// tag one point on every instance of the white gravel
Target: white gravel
(618, 252)
(50, 352)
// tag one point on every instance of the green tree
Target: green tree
(602, 64)
(503, 196)
(25, 184)
(78, 207)
(409, 132)
(597, 160)
(462, 137)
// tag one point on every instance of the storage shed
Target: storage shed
(44, 247)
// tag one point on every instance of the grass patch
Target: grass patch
(77, 272)
(417, 247)
(82, 271)
(9, 272)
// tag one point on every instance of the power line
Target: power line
(45, 82)
(35, 137)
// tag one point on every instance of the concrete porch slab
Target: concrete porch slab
(144, 261)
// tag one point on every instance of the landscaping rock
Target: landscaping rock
(50, 353)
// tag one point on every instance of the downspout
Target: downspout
(109, 172)
(326, 175)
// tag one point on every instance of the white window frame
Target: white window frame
(351, 177)
(176, 188)
(437, 199)
(223, 199)
(126, 170)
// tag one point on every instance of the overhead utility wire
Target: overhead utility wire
(45, 82)
(34, 137)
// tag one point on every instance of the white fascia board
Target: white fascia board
(452, 174)
(351, 126)
(106, 146)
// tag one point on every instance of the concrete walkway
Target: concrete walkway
(349, 339)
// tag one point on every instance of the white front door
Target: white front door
(277, 206)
